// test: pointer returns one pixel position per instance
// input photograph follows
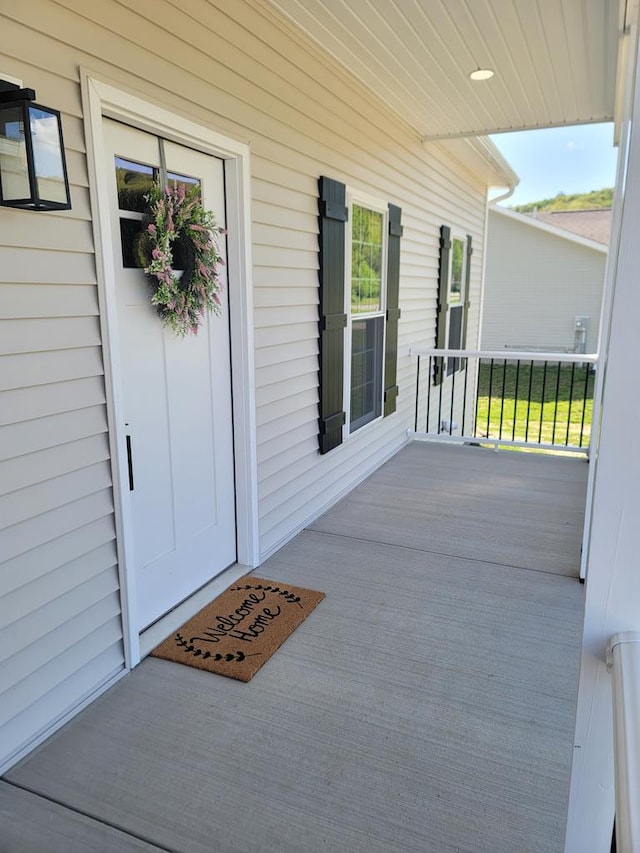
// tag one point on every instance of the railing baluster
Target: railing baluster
(504, 379)
(526, 431)
(515, 401)
(573, 373)
(453, 394)
(555, 410)
(544, 388)
(440, 397)
(475, 420)
(490, 397)
(415, 423)
(429, 375)
(464, 392)
(584, 401)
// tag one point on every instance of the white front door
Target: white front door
(176, 393)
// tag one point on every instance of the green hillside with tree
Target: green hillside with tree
(593, 200)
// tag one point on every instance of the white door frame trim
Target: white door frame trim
(103, 99)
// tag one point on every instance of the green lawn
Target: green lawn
(573, 410)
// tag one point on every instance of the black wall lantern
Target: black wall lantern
(33, 170)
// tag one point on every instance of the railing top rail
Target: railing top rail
(508, 355)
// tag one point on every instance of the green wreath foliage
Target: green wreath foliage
(176, 219)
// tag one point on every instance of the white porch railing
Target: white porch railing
(521, 399)
(623, 660)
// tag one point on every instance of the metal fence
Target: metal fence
(521, 399)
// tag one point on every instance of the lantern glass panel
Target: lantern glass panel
(14, 170)
(47, 155)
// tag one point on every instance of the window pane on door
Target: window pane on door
(185, 180)
(129, 231)
(366, 370)
(134, 180)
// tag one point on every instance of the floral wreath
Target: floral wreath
(176, 218)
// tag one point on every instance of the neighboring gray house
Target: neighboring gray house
(544, 280)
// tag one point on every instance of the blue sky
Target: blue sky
(561, 159)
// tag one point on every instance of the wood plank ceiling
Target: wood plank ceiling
(554, 60)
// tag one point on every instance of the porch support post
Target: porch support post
(613, 567)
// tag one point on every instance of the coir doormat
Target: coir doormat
(240, 630)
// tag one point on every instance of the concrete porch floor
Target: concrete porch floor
(426, 705)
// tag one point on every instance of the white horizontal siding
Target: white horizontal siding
(58, 235)
(51, 430)
(537, 283)
(54, 553)
(28, 601)
(84, 507)
(23, 404)
(37, 468)
(60, 625)
(49, 300)
(47, 334)
(33, 650)
(235, 68)
(270, 374)
(27, 369)
(42, 497)
(35, 266)
(77, 674)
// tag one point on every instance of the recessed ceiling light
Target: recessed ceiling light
(481, 74)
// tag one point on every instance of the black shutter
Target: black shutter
(393, 311)
(333, 216)
(467, 291)
(443, 299)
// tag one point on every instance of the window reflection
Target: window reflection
(134, 181)
(14, 172)
(367, 336)
(366, 260)
(457, 266)
(47, 154)
(185, 180)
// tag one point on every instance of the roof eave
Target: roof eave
(482, 158)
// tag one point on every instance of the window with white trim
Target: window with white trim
(365, 309)
(453, 299)
(456, 310)
(359, 286)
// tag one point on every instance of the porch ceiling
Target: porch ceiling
(554, 60)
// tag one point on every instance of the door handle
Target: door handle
(130, 462)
